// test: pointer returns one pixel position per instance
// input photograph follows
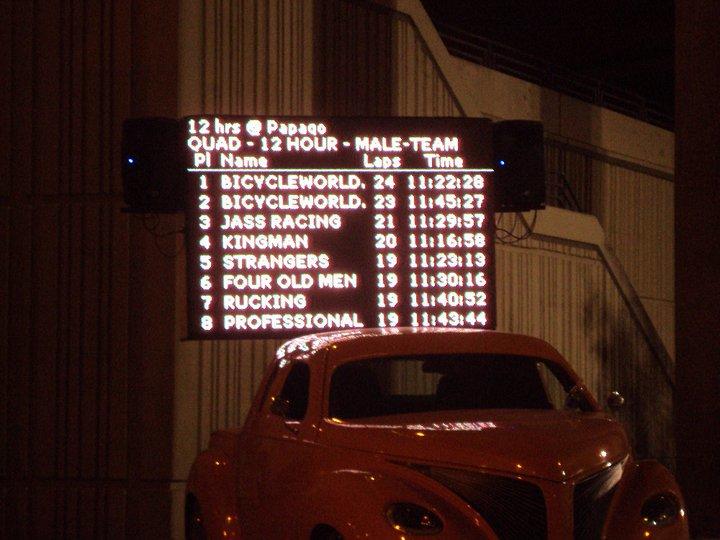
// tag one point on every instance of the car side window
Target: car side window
(295, 391)
(270, 381)
(556, 393)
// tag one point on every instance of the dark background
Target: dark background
(627, 44)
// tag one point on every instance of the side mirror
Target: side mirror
(280, 406)
(615, 401)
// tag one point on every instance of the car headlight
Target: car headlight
(413, 519)
(660, 510)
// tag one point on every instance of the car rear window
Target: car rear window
(388, 386)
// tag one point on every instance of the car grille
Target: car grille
(513, 508)
(591, 501)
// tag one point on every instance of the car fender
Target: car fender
(212, 483)
(355, 502)
(642, 480)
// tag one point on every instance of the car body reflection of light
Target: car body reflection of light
(453, 426)
(434, 426)
(303, 347)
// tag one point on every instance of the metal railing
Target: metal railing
(497, 56)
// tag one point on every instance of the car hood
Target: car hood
(554, 445)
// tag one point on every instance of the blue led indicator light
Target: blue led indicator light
(130, 160)
(502, 162)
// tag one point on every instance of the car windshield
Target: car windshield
(400, 385)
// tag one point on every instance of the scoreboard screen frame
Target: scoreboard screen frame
(280, 153)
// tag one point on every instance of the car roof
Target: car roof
(348, 345)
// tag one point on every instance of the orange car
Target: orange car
(402, 433)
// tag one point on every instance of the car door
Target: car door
(282, 453)
(249, 457)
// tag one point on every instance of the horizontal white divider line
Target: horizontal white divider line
(341, 170)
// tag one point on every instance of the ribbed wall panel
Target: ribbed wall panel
(635, 208)
(74, 447)
(352, 73)
(662, 314)
(254, 57)
(418, 87)
(636, 212)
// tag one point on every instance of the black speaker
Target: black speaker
(153, 178)
(519, 166)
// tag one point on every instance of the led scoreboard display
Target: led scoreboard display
(298, 225)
